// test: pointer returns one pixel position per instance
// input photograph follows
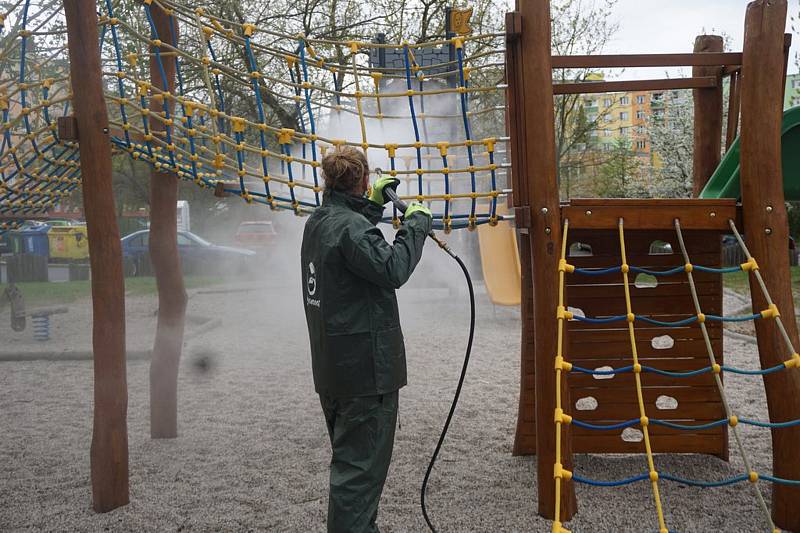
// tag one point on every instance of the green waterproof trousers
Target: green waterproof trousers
(362, 436)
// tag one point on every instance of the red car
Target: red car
(255, 235)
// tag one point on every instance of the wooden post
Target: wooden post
(525, 436)
(733, 111)
(766, 232)
(164, 254)
(545, 243)
(707, 116)
(109, 453)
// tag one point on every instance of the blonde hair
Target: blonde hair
(344, 168)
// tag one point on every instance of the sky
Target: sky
(670, 26)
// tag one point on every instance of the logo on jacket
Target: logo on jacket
(312, 279)
(311, 286)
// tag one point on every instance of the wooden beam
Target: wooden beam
(650, 214)
(766, 230)
(545, 244)
(734, 102)
(109, 452)
(589, 87)
(525, 435)
(707, 115)
(647, 60)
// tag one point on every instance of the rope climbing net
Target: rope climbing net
(37, 168)
(653, 475)
(253, 111)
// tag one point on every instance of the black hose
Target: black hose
(457, 394)
(391, 194)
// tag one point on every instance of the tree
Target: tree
(671, 134)
(618, 171)
(580, 27)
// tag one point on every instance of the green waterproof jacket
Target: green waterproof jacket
(350, 274)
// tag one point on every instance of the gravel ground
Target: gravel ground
(253, 450)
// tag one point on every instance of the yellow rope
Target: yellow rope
(561, 419)
(637, 374)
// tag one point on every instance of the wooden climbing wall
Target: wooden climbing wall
(693, 400)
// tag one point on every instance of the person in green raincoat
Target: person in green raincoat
(350, 273)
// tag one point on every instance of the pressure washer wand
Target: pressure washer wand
(401, 206)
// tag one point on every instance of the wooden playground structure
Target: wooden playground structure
(551, 344)
(757, 80)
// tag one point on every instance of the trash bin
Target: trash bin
(30, 239)
(68, 244)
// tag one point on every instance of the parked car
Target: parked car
(198, 256)
(255, 235)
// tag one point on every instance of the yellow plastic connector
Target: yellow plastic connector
(751, 265)
(653, 475)
(794, 362)
(248, 29)
(771, 312)
(561, 418)
(644, 421)
(701, 318)
(562, 365)
(559, 472)
(733, 421)
(716, 368)
(489, 143)
(563, 266)
(238, 124)
(688, 267)
(353, 46)
(563, 314)
(753, 477)
(625, 268)
(458, 42)
(285, 136)
(443, 146)
(637, 368)
(630, 317)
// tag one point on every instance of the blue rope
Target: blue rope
(611, 372)
(619, 483)
(467, 130)
(765, 372)
(746, 318)
(688, 374)
(771, 425)
(726, 270)
(683, 481)
(597, 272)
(591, 320)
(688, 427)
(312, 124)
(676, 324)
(669, 272)
(704, 484)
(605, 427)
(780, 481)
(407, 64)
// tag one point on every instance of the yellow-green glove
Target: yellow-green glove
(418, 208)
(376, 196)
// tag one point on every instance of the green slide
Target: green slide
(725, 181)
